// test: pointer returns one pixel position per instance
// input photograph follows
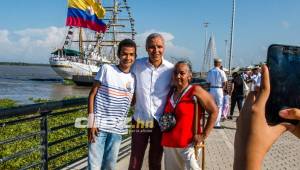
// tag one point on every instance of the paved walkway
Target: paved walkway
(285, 153)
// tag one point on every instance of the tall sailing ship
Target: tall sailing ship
(84, 50)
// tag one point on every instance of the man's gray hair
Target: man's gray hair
(154, 35)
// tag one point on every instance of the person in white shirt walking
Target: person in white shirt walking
(153, 82)
(255, 79)
(217, 82)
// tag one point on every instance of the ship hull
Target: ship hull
(67, 69)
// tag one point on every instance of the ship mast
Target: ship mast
(120, 25)
(114, 21)
(80, 43)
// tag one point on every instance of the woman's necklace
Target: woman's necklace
(178, 93)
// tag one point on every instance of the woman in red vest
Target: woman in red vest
(179, 142)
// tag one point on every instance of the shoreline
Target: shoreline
(23, 64)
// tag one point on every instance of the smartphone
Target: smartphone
(283, 62)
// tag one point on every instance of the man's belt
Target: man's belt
(215, 87)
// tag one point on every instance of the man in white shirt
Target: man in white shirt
(153, 81)
(255, 79)
(217, 82)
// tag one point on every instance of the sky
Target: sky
(31, 29)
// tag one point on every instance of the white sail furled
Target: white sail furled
(210, 54)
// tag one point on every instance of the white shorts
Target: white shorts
(181, 158)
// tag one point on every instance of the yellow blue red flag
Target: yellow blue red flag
(87, 14)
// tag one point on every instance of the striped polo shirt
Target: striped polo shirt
(113, 99)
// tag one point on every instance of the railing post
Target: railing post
(44, 139)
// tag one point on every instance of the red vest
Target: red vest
(182, 134)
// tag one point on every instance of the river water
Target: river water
(21, 83)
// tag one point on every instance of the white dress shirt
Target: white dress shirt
(152, 87)
(256, 79)
(216, 77)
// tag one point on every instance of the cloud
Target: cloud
(285, 24)
(34, 45)
(4, 36)
(30, 45)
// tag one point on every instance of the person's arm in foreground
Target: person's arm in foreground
(206, 100)
(254, 137)
(92, 130)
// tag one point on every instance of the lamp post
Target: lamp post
(225, 58)
(231, 35)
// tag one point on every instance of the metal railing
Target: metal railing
(43, 136)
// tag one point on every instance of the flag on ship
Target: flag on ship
(87, 14)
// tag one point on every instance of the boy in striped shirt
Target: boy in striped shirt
(108, 105)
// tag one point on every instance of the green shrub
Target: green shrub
(70, 97)
(17, 130)
(40, 100)
(68, 82)
(7, 103)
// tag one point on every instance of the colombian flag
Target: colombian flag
(87, 14)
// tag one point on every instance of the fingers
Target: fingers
(293, 129)
(90, 136)
(292, 113)
(248, 103)
(265, 88)
(92, 133)
(280, 128)
(97, 131)
(290, 127)
(296, 131)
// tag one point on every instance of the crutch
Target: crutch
(202, 145)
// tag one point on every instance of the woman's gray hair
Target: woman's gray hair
(187, 62)
(154, 35)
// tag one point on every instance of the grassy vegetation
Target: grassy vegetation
(39, 100)
(6, 103)
(16, 130)
(68, 82)
(43, 100)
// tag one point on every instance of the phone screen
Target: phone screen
(284, 66)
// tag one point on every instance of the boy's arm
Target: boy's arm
(133, 100)
(92, 130)
(92, 95)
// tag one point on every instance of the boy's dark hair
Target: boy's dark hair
(126, 43)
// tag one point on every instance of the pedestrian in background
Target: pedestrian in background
(237, 93)
(217, 81)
